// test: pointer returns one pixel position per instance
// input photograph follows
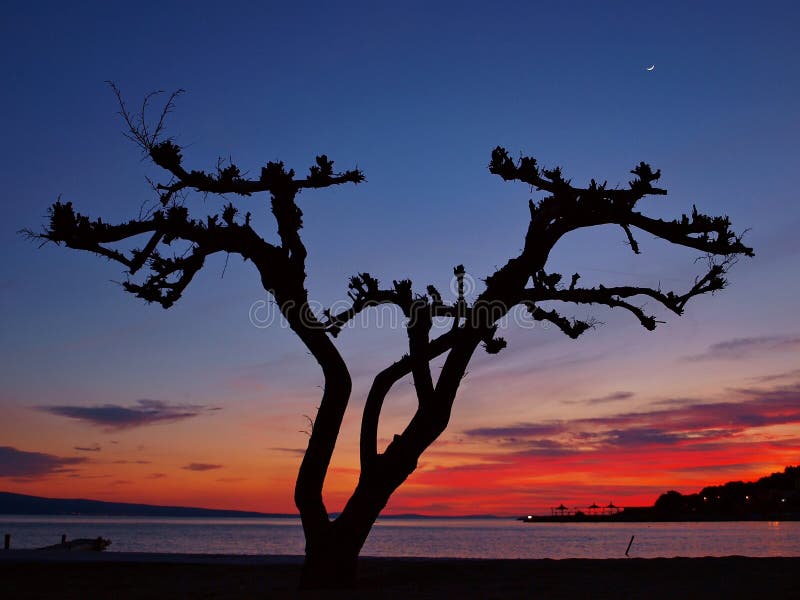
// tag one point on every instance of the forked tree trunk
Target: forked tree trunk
(330, 563)
(332, 548)
(331, 560)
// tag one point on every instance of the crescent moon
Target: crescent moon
(651, 67)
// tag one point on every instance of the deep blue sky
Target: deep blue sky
(416, 94)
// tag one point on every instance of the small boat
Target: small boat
(97, 544)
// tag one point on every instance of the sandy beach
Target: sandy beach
(26, 574)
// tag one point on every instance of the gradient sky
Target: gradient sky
(105, 397)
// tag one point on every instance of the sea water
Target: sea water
(414, 537)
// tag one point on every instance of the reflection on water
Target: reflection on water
(467, 538)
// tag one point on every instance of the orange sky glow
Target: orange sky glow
(625, 447)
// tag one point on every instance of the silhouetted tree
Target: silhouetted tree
(671, 503)
(333, 545)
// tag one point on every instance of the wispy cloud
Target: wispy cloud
(300, 451)
(116, 417)
(93, 448)
(785, 376)
(741, 348)
(673, 426)
(21, 464)
(201, 467)
(489, 371)
(520, 431)
(613, 397)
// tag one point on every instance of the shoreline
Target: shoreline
(34, 574)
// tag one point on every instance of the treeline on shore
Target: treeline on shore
(774, 497)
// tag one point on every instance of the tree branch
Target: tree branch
(382, 384)
(711, 281)
(364, 293)
(631, 240)
(528, 171)
(572, 327)
(158, 287)
(79, 232)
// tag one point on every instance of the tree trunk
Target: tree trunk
(329, 565)
(331, 559)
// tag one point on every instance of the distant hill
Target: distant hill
(21, 504)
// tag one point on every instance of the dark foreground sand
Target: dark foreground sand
(117, 575)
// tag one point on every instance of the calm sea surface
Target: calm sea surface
(466, 538)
